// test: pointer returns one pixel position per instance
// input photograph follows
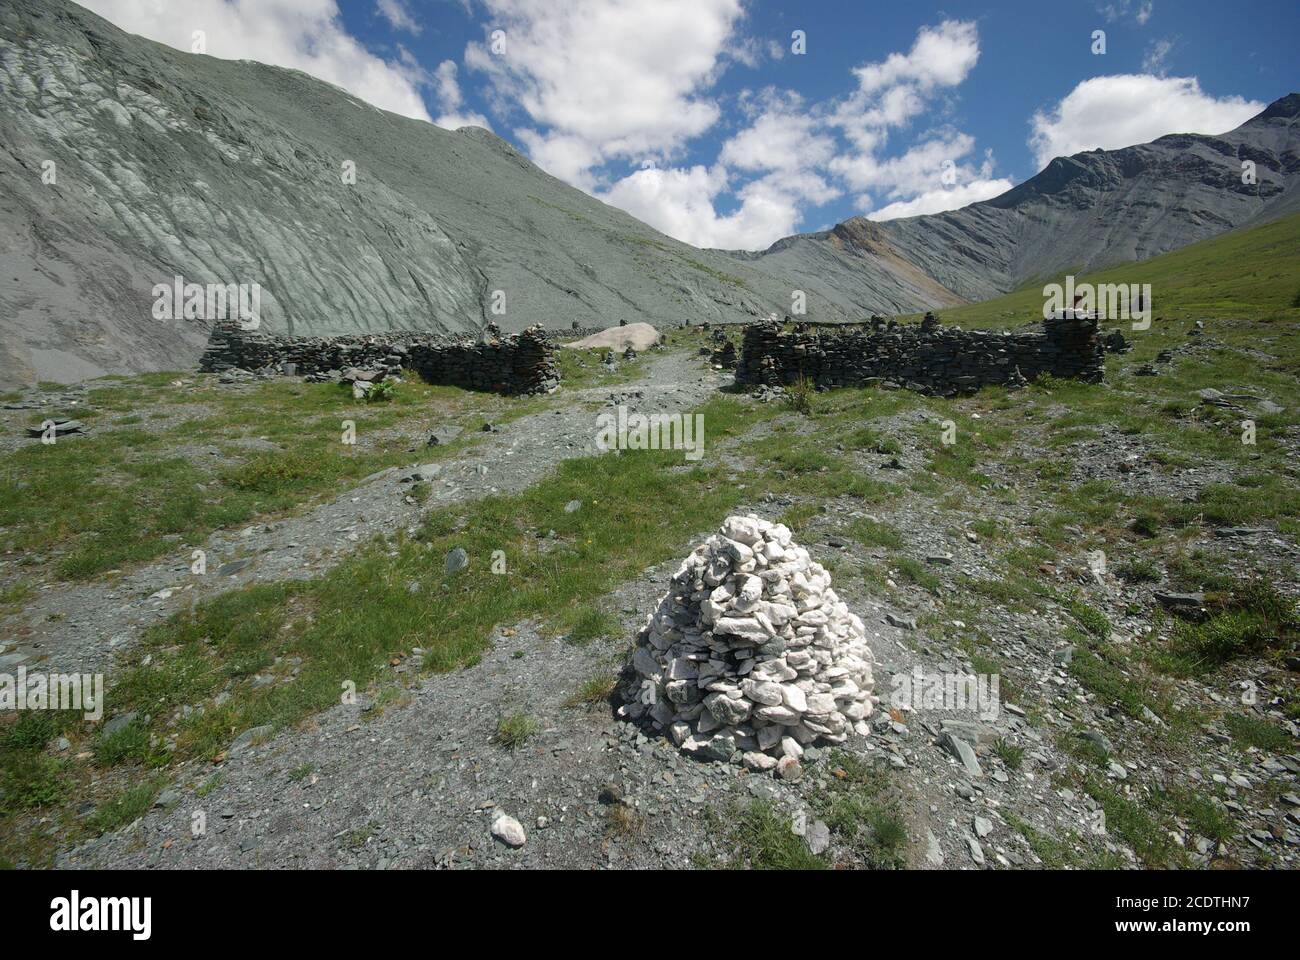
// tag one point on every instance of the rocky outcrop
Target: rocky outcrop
(928, 358)
(520, 364)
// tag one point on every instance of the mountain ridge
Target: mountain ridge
(176, 164)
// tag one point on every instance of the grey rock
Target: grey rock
(251, 737)
(963, 751)
(1099, 740)
(443, 435)
(119, 723)
(818, 838)
(509, 831)
(457, 560)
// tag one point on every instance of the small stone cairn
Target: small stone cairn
(750, 655)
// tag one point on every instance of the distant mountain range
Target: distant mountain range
(125, 163)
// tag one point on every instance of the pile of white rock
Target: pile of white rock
(751, 652)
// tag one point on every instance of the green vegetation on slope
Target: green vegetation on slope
(1252, 273)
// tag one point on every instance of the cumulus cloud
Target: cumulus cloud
(791, 150)
(681, 203)
(604, 79)
(941, 56)
(899, 88)
(305, 35)
(783, 135)
(1116, 111)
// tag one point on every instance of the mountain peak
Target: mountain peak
(1287, 107)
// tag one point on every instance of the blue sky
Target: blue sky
(700, 118)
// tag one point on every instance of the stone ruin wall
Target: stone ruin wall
(523, 363)
(929, 358)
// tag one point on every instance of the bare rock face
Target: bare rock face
(750, 654)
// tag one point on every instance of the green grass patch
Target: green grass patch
(514, 730)
(759, 837)
(1252, 731)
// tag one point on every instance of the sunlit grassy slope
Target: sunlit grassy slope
(1250, 274)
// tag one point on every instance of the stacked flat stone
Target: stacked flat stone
(928, 358)
(750, 653)
(520, 364)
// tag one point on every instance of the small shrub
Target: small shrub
(799, 394)
(1139, 570)
(1012, 756)
(32, 731)
(381, 392)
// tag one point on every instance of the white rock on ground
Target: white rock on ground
(751, 652)
(509, 831)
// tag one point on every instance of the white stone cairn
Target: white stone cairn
(751, 653)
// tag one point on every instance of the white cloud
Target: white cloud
(783, 136)
(793, 146)
(1153, 61)
(305, 35)
(937, 201)
(1116, 111)
(445, 81)
(941, 56)
(681, 203)
(899, 88)
(603, 79)
(1120, 9)
(398, 17)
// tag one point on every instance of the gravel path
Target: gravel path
(83, 626)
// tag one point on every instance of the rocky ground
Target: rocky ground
(1089, 759)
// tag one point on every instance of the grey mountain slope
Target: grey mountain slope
(174, 164)
(225, 172)
(1092, 210)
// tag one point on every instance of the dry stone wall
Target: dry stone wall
(524, 363)
(929, 358)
